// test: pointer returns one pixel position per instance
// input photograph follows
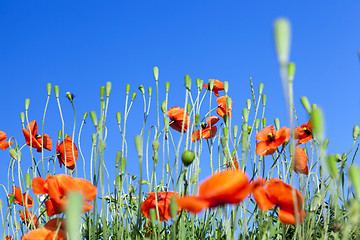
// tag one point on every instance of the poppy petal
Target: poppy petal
(192, 204)
(287, 217)
(38, 186)
(263, 149)
(300, 163)
(263, 135)
(207, 133)
(192, 137)
(2, 136)
(5, 145)
(212, 120)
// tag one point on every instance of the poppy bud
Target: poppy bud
(122, 164)
(131, 188)
(59, 134)
(139, 145)
(93, 138)
(102, 92)
(248, 104)
(27, 103)
(48, 88)
(264, 122)
(22, 117)
(155, 146)
(354, 174)
(249, 129)
(261, 88)
(306, 104)
(356, 132)
(226, 87)
(331, 166)
(277, 123)
(199, 84)
(188, 82)
(56, 90)
(118, 158)
(188, 107)
(94, 118)
(127, 89)
(245, 114)
(291, 71)
(337, 157)
(263, 99)
(235, 130)
(66, 135)
(211, 84)
(173, 208)
(12, 153)
(223, 141)
(187, 157)
(118, 117)
(163, 106)
(155, 158)
(150, 91)
(133, 96)
(167, 86)
(108, 88)
(156, 73)
(244, 138)
(226, 120)
(344, 156)
(315, 202)
(317, 123)
(118, 181)
(28, 180)
(141, 88)
(257, 123)
(17, 226)
(167, 168)
(325, 143)
(282, 32)
(197, 118)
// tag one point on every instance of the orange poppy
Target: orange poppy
(58, 187)
(218, 86)
(206, 131)
(37, 141)
(163, 204)
(48, 232)
(20, 197)
(222, 107)
(226, 187)
(234, 164)
(8, 238)
(176, 115)
(270, 140)
(71, 157)
(280, 194)
(28, 217)
(300, 161)
(4, 145)
(303, 133)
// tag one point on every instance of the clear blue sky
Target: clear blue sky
(80, 45)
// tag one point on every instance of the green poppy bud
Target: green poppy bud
(211, 84)
(84, 117)
(225, 131)
(27, 103)
(155, 158)
(325, 143)
(139, 145)
(263, 99)
(22, 117)
(277, 123)
(245, 114)
(93, 138)
(354, 174)
(28, 180)
(163, 106)
(264, 122)
(56, 90)
(118, 117)
(315, 202)
(356, 132)
(291, 71)
(108, 88)
(188, 108)
(102, 93)
(248, 104)
(127, 89)
(282, 33)
(173, 208)
(141, 88)
(152, 215)
(12, 153)
(199, 84)
(197, 118)
(337, 157)
(155, 145)
(118, 158)
(133, 96)
(223, 141)
(317, 123)
(17, 226)
(306, 104)
(235, 130)
(59, 134)
(187, 157)
(188, 82)
(167, 168)
(257, 123)
(167, 86)
(150, 91)
(66, 135)
(156, 73)
(48, 88)
(94, 118)
(226, 87)
(122, 164)
(118, 181)
(249, 129)
(261, 88)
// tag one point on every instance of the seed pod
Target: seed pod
(187, 157)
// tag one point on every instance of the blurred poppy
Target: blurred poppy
(8, 238)
(21, 197)
(303, 133)
(4, 145)
(206, 131)
(280, 194)
(226, 187)
(178, 118)
(234, 164)
(29, 218)
(270, 140)
(300, 161)
(163, 203)
(218, 86)
(58, 187)
(37, 141)
(49, 231)
(71, 157)
(222, 107)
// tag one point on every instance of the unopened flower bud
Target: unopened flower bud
(56, 90)
(248, 104)
(163, 106)
(156, 73)
(102, 93)
(356, 132)
(12, 153)
(291, 71)
(257, 123)
(235, 130)
(187, 157)
(226, 86)
(211, 84)
(127, 89)
(188, 108)
(48, 88)
(27, 103)
(141, 88)
(263, 99)
(22, 117)
(245, 114)
(306, 104)
(167, 86)
(118, 117)
(188, 82)
(264, 122)
(261, 88)
(150, 91)
(118, 158)
(108, 88)
(277, 123)
(197, 118)
(28, 180)
(133, 96)
(155, 145)
(199, 84)
(94, 118)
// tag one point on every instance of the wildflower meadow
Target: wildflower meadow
(192, 171)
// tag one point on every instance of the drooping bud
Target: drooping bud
(155, 145)
(163, 106)
(12, 153)
(141, 88)
(337, 157)
(187, 157)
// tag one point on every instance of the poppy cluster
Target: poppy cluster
(206, 131)
(161, 201)
(57, 188)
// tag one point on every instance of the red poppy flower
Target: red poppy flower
(270, 140)
(300, 161)
(58, 187)
(49, 231)
(163, 204)
(176, 115)
(29, 217)
(226, 187)
(279, 193)
(303, 133)
(21, 197)
(222, 107)
(218, 86)
(8, 238)
(206, 132)
(36, 140)
(70, 150)
(4, 145)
